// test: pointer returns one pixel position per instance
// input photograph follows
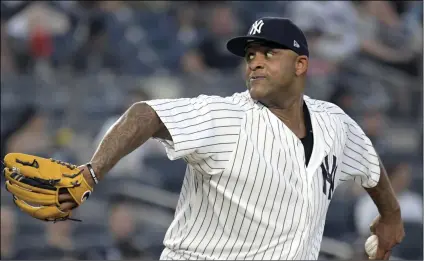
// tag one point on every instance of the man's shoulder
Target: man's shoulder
(330, 109)
(238, 99)
(242, 95)
(323, 106)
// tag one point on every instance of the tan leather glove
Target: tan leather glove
(36, 184)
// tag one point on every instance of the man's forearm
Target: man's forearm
(383, 195)
(134, 127)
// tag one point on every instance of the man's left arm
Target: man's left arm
(388, 226)
(362, 164)
(383, 194)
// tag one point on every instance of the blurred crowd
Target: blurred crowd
(69, 69)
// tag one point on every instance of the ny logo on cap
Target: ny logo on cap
(256, 27)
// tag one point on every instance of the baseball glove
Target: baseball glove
(36, 183)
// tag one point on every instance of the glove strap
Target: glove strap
(93, 175)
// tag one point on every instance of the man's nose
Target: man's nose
(257, 62)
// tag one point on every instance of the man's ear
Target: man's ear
(301, 64)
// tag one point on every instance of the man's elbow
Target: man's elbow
(146, 115)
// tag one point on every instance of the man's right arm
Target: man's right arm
(138, 124)
(190, 128)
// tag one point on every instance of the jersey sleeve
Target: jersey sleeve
(360, 161)
(201, 127)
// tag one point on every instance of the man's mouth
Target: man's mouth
(254, 78)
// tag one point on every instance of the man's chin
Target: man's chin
(257, 93)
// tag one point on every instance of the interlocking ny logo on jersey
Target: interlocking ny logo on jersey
(328, 175)
(256, 27)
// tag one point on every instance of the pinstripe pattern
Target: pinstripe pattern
(247, 193)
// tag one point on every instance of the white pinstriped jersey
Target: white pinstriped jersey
(247, 193)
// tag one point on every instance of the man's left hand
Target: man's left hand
(390, 232)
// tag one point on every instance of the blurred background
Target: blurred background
(69, 69)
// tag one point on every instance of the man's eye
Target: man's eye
(269, 54)
(250, 56)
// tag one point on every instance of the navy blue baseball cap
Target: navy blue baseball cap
(276, 31)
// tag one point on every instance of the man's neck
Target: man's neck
(291, 114)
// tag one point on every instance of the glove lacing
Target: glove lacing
(66, 164)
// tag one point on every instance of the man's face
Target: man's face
(269, 72)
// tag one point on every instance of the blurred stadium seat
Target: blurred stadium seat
(412, 246)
